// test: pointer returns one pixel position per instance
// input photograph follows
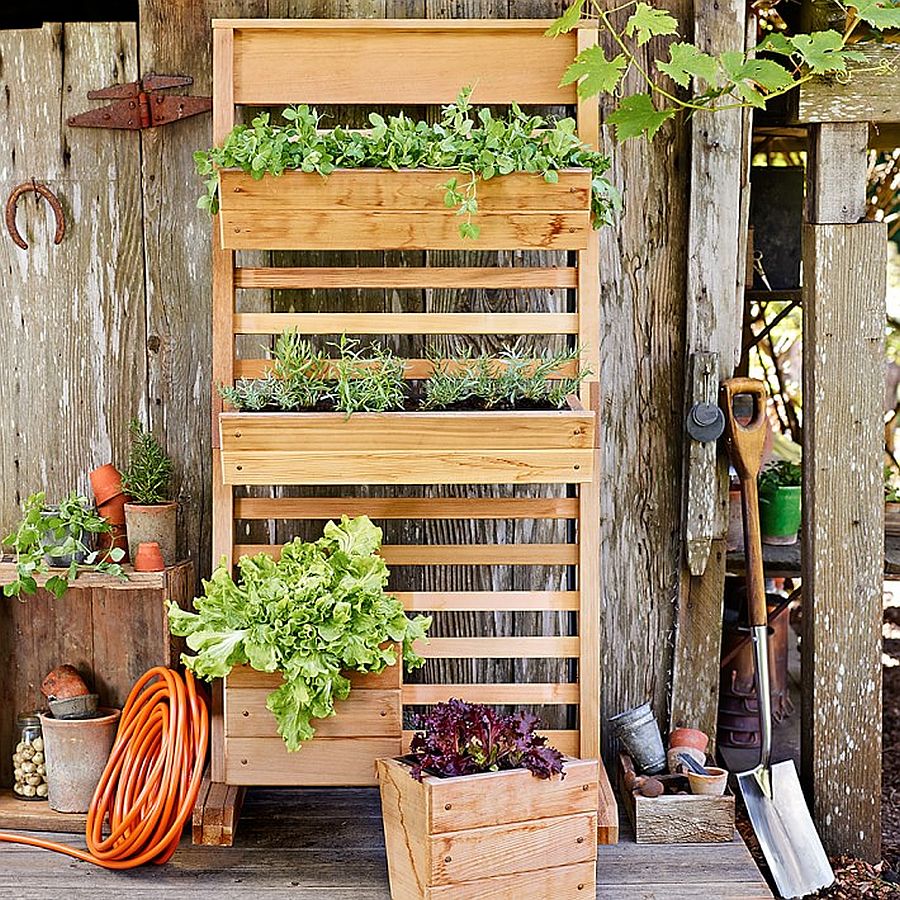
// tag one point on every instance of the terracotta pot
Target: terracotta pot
(64, 682)
(115, 538)
(675, 764)
(689, 737)
(113, 510)
(712, 784)
(75, 752)
(106, 482)
(152, 523)
(148, 558)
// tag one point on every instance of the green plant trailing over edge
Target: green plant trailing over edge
(57, 532)
(476, 143)
(891, 485)
(318, 611)
(147, 476)
(781, 473)
(727, 81)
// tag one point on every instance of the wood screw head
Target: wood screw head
(448, 859)
(243, 762)
(383, 713)
(448, 806)
(580, 887)
(579, 840)
(585, 787)
(239, 468)
(245, 713)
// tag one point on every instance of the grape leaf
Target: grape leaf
(880, 14)
(823, 51)
(601, 75)
(749, 75)
(647, 21)
(568, 20)
(687, 61)
(775, 42)
(636, 115)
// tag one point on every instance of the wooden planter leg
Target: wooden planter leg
(216, 813)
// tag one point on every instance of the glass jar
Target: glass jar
(29, 767)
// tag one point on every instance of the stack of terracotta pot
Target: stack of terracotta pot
(106, 483)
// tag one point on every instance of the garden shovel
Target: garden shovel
(772, 794)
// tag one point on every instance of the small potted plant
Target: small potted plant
(150, 515)
(891, 501)
(482, 804)
(60, 537)
(779, 502)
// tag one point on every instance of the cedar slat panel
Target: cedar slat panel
(499, 648)
(416, 278)
(491, 693)
(404, 508)
(458, 601)
(566, 741)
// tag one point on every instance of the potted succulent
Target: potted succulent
(891, 501)
(60, 537)
(779, 502)
(150, 515)
(482, 805)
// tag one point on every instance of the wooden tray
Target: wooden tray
(382, 209)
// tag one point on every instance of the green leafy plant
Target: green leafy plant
(147, 476)
(510, 379)
(318, 611)
(891, 485)
(780, 473)
(54, 533)
(369, 380)
(477, 143)
(730, 80)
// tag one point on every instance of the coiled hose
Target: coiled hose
(151, 780)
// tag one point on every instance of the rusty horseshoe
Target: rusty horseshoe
(43, 191)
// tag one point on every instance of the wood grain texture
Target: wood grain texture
(73, 335)
(843, 324)
(870, 94)
(837, 156)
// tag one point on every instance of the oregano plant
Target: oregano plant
(729, 80)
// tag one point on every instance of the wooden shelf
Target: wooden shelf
(87, 579)
(36, 815)
(408, 448)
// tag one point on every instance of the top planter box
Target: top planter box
(382, 209)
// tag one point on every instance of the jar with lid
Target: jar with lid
(29, 767)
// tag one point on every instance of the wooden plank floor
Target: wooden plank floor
(327, 843)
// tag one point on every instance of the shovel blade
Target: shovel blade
(786, 832)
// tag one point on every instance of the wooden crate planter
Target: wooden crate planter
(366, 727)
(408, 448)
(678, 818)
(499, 834)
(377, 209)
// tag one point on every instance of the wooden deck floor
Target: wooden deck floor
(327, 843)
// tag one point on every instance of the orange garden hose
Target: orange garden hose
(151, 780)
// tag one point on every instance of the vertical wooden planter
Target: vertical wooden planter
(498, 835)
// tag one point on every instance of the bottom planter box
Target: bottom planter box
(366, 726)
(503, 835)
(677, 818)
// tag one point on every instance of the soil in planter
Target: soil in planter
(412, 405)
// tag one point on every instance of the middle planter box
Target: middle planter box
(367, 726)
(537, 447)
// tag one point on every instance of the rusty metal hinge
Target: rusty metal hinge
(139, 106)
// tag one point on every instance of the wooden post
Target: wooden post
(715, 280)
(844, 275)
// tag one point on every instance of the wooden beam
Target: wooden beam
(836, 172)
(843, 323)
(870, 94)
(715, 282)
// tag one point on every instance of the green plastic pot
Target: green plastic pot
(779, 515)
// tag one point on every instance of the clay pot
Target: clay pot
(106, 482)
(113, 509)
(712, 784)
(146, 524)
(675, 764)
(64, 682)
(115, 538)
(75, 752)
(689, 737)
(148, 558)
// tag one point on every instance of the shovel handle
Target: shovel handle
(745, 441)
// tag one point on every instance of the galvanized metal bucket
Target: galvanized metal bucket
(639, 734)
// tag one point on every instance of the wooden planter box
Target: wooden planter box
(380, 209)
(407, 448)
(366, 726)
(499, 835)
(678, 818)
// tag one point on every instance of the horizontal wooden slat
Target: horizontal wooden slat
(323, 761)
(436, 601)
(416, 278)
(499, 648)
(455, 554)
(541, 884)
(360, 64)
(412, 369)
(424, 694)
(245, 678)
(406, 323)
(405, 508)
(338, 433)
(366, 713)
(408, 467)
(566, 742)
